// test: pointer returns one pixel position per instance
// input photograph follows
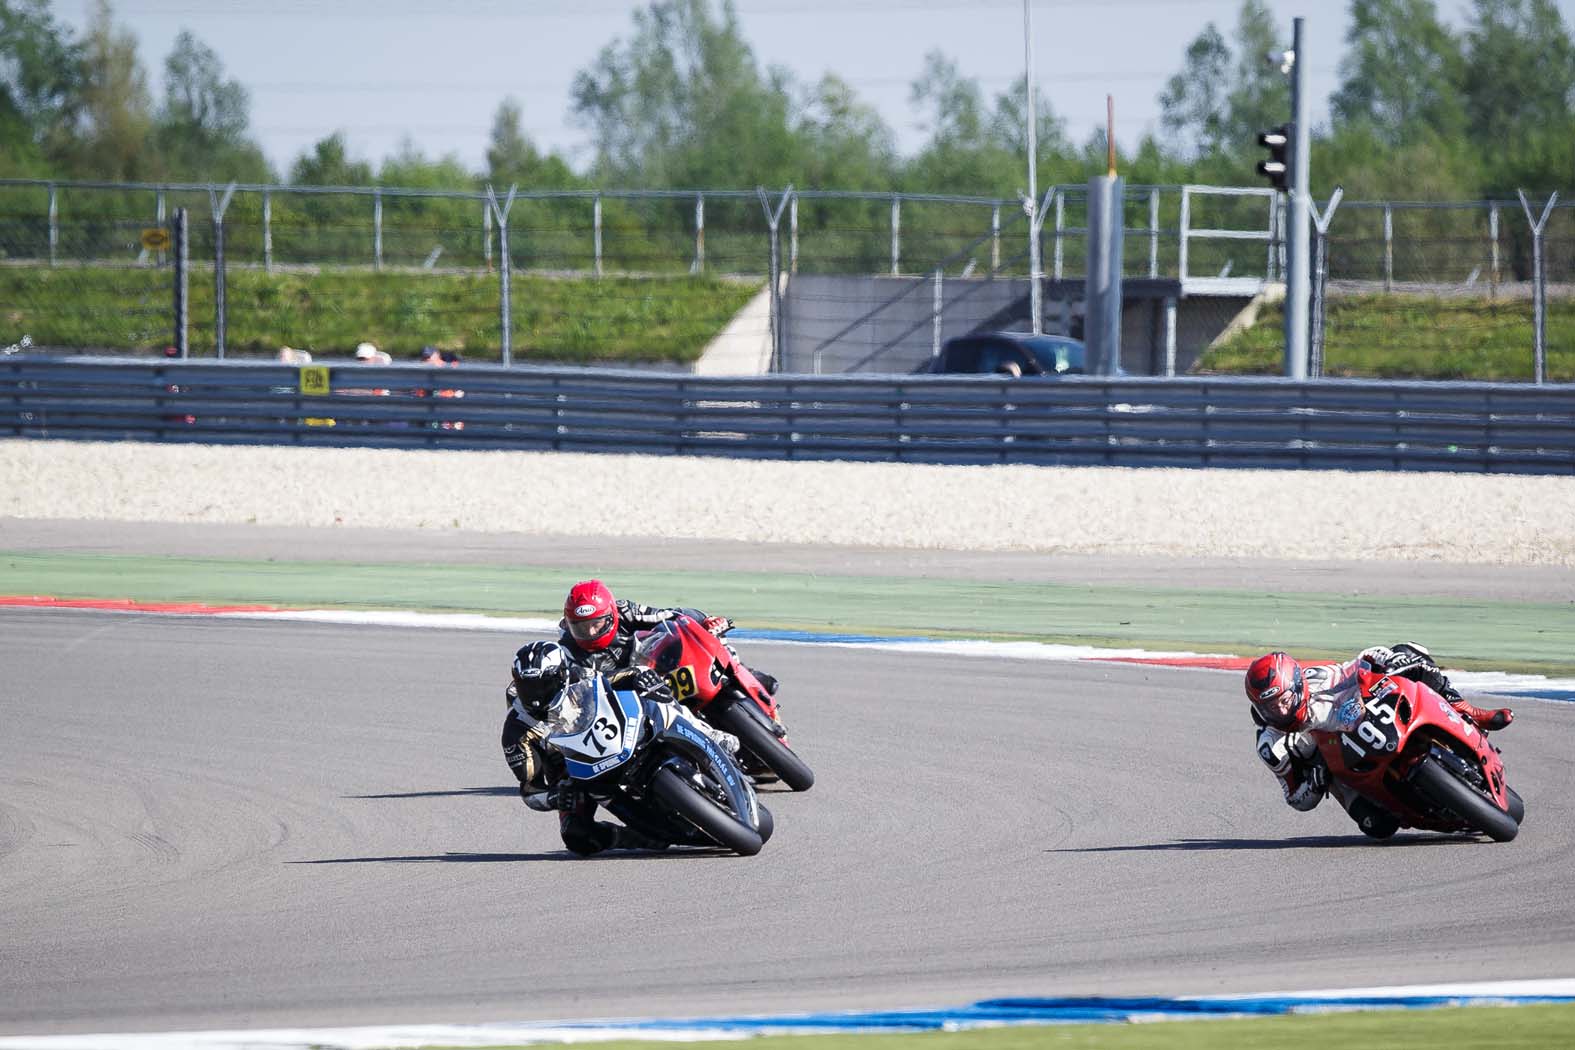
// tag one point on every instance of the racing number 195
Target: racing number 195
(1369, 732)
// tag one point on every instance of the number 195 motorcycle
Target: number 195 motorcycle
(650, 766)
(1415, 757)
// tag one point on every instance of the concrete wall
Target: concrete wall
(885, 324)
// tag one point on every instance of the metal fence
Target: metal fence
(81, 267)
(1128, 422)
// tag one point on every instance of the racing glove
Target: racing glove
(1314, 785)
(718, 625)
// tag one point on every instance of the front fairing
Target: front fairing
(595, 727)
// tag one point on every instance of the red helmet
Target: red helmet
(591, 614)
(1277, 691)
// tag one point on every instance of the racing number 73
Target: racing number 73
(603, 727)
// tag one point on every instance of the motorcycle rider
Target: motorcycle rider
(1288, 701)
(539, 672)
(597, 630)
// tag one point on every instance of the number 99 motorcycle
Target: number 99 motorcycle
(1414, 756)
(648, 765)
(707, 677)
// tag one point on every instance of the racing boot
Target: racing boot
(1483, 719)
(1375, 822)
(767, 680)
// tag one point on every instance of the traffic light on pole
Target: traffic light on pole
(1277, 168)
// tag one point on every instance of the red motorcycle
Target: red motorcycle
(1420, 760)
(708, 678)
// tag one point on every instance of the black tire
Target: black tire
(767, 824)
(746, 721)
(712, 820)
(1465, 801)
(1517, 805)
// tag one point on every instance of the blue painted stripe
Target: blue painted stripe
(1062, 1011)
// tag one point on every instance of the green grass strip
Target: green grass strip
(1464, 633)
(1411, 336)
(565, 320)
(1457, 1028)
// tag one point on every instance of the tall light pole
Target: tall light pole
(1297, 282)
(1031, 205)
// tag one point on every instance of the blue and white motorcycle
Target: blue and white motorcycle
(652, 767)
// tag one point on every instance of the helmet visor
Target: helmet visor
(592, 629)
(1282, 707)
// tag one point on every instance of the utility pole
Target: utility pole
(1297, 285)
(1032, 201)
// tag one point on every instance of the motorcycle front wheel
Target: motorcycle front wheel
(1464, 801)
(714, 822)
(746, 721)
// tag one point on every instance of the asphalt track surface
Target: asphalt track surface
(218, 824)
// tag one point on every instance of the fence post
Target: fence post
(699, 266)
(1184, 232)
(1270, 270)
(505, 315)
(1493, 239)
(377, 228)
(773, 218)
(793, 235)
(995, 240)
(896, 233)
(220, 308)
(486, 234)
(1539, 294)
(1320, 279)
(936, 306)
(161, 215)
(1037, 211)
(596, 227)
(182, 294)
(54, 223)
(1060, 226)
(267, 205)
(1153, 233)
(1389, 247)
(1170, 335)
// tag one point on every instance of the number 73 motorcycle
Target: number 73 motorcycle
(1415, 757)
(649, 765)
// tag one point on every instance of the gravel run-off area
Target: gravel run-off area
(1463, 518)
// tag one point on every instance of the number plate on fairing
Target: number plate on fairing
(607, 742)
(1374, 735)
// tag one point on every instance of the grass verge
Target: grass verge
(1535, 637)
(1407, 336)
(1546, 1027)
(567, 320)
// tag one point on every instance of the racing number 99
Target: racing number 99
(681, 680)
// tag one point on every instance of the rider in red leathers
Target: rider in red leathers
(1290, 701)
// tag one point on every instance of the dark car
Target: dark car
(1010, 354)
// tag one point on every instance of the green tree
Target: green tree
(1260, 94)
(1193, 108)
(202, 126)
(1519, 82)
(683, 103)
(513, 159)
(1401, 74)
(40, 84)
(845, 143)
(328, 164)
(114, 118)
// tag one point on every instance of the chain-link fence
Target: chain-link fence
(871, 281)
(1480, 290)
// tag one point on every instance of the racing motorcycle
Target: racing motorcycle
(708, 678)
(1416, 757)
(651, 767)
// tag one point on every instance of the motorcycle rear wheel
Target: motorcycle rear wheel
(1465, 801)
(746, 721)
(712, 820)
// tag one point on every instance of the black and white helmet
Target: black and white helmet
(540, 670)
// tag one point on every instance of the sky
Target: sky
(382, 71)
